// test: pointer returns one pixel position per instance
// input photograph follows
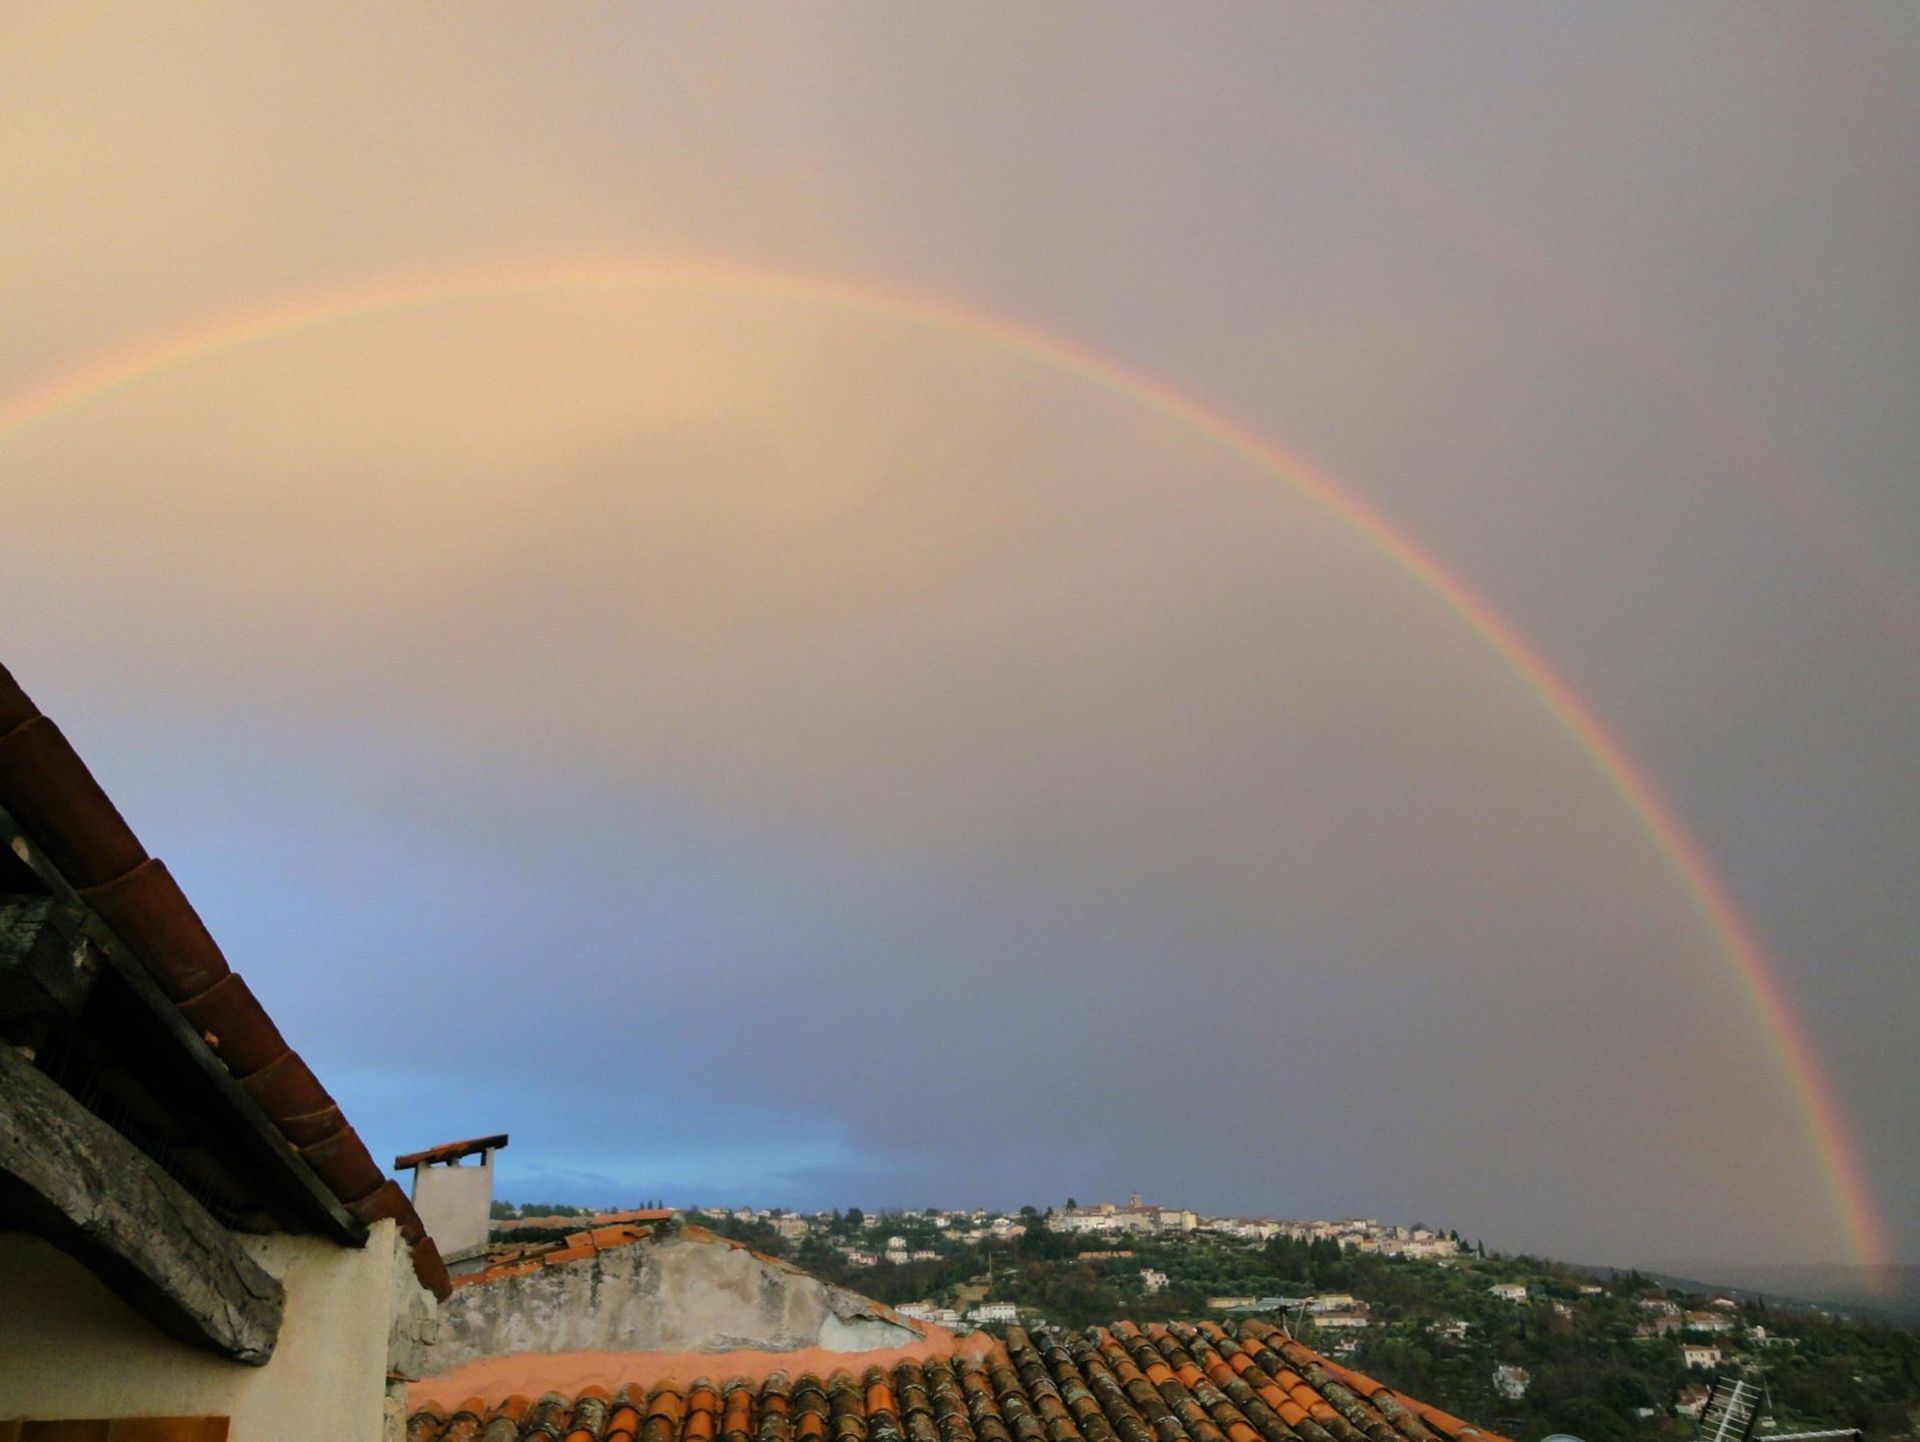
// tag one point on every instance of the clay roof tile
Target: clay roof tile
(51, 794)
(152, 916)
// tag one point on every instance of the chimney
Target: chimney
(454, 1196)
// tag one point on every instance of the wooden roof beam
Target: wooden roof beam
(89, 1191)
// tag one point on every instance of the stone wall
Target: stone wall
(680, 1293)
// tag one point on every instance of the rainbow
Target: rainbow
(1851, 1202)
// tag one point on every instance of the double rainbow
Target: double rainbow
(1851, 1202)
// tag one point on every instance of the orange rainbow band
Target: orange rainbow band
(1851, 1202)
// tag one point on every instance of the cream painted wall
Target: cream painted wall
(453, 1202)
(70, 1348)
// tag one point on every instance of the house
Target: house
(189, 1226)
(1335, 1302)
(926, 1312)
(1154, 1281)
(1509, 1291)
(1001, 1312)
(791, 1227)
(1699, 1354)
(1691, 1399)
(1708, 1322)
(1511, 1382)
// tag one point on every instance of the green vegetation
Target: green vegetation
(1602, 1359)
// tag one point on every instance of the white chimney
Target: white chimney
(454, 1196)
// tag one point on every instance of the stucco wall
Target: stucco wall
(70, 1348)
(679, 1294)
(452, 1202)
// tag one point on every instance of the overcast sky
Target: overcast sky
(759, 749)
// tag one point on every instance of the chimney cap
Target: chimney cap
(449, 1152)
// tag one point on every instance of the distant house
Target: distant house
(1509, 1291)
(1699, 1354)
(1708, 1322)
(1003, 1312)
(1691, 1399)
(1154, 1281)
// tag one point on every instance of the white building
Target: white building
(1335, 1302)
(1708, 1322)
(1699, 1354)
(993, 1312)
(1509, 1291)
(1154, 1281)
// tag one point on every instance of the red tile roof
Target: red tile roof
(49, 792)
(1173, 1383)
(559, 1223)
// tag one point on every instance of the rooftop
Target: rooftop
(171, 1035)
(1173, 1383)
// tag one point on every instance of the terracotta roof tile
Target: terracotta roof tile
(53, 796)
(1043, 1386)
(148, 911)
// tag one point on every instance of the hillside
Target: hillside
(1600, 1358)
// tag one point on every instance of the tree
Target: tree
(1072, 1205)
(856, 1217)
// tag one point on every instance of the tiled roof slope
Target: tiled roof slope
(52, 795)
(1172, 1383)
